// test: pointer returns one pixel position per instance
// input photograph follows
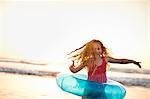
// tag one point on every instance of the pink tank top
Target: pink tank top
(98, 73)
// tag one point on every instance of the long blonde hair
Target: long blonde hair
(85, 54)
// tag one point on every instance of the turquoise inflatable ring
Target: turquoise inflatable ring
(78, 84)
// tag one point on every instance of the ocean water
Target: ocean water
(24, 81)
(128, 76)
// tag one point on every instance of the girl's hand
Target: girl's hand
(72, 63)
(137, 63)
(77, 68)
(72, 66)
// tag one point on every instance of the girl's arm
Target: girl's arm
(76, 69)
(123, 61)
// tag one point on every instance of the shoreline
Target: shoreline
(129, 77)
(126, 80)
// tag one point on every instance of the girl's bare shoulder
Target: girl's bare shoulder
(108, 58)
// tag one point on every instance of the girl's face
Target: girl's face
(97, 47)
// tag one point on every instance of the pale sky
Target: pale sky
(48, 30)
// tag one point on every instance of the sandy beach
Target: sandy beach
(15, 86)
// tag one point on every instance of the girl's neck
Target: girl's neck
(98, 56)
(98, 60)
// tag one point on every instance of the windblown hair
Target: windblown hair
(86, 53)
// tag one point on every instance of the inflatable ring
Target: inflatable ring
(78, 84)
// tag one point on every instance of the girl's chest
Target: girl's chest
(98, 62)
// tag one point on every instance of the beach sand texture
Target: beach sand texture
(14, 86)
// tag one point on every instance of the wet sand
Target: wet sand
(14, 86)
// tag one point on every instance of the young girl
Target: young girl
(94, 56)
